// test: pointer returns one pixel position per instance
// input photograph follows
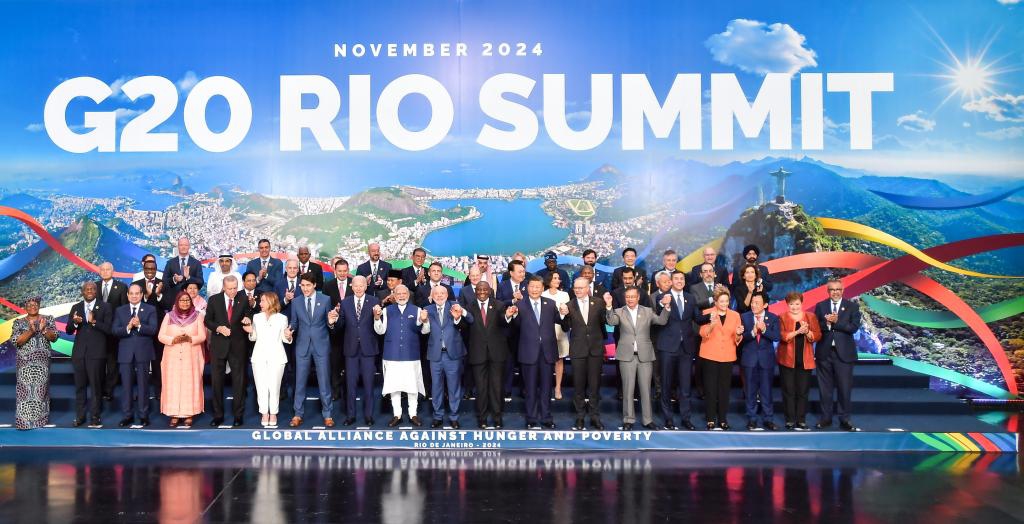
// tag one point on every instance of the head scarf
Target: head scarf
(180, 316)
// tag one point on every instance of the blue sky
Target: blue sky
(256, 42)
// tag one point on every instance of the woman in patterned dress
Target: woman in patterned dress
(182, 334)
(32, 335)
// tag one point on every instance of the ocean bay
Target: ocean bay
(506, 226)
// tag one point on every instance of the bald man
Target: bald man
(114, 293)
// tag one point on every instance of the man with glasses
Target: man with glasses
(836, 354)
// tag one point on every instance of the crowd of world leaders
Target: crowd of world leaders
(264, 327)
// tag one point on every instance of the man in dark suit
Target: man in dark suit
(534, 317)
(225, 313)
(251, 292)
(415, 274)
(513, 288)
(585, 320)
(375, 270)
(628, 279)
(750, 254)
(488, 351)
(836, 354)
(487, 274)
(599, 277)
(135, 325)
(520, 257)
(386, 294)
(468, 292)
(721, 275)
(152, 294)
(629, 261)
(596, 288)
(446, 353)
(308, 266)
(424, 291)
(551, 266)
(757, 359)
(115, 294)
(182, 270)
(89, 321)
(268, 270)
(360, 347)
(337, 289)
(704, 290)
(676, 346)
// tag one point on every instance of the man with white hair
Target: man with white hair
(226, 266)
(115, 294)
(402, 323)
(182, 269)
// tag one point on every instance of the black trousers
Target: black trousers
(795, 384)
(239, 377)
(113, 371)
(155, 378)
(338, 364)
(717, 379)
(586, 383)
(90, 374)
(489, 378)
(836, 376)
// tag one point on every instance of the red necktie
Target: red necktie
(757, 335)
(483, 314)
(230, 309)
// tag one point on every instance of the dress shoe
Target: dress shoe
(824, 424)
(712, 426)
(578, 425)
(751, 425)
(144, 422)
(770, 426)
(78, 422)
(790, 426)
(216, 422)
(394, 422)
(650, 426)
(724, 426)
(295, 422)
(416, 421)
(848, 426)
(455, 424)
(627, 426)
(498, 424)
(801, 426)
(173, 423)
(670, 426)
(547, 425)
(348, 422)
(437, 424)
(96, 423)
(369, 421)
(596, 423)
(125, 422)
(329, 422)
(108, 398)
(237, 423)
(531, 425)
(482, 425)
(688, 425)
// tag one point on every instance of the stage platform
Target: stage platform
(894, 407)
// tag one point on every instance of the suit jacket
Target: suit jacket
(364, 269)
(617, 276)
(719, 341)
(358, 337)
(537, 338)
(704, 298)
(619, 297)
(447, 334)
(678, 334)
(90, 340)
(255, 307)
(157, 301)
(754, 351)
(281, 287)
(317, 270)
(488, 337)
(422, 293)
(786, 350)
(467, 295)
(721, 275)
(847, 323)
(118, 295)
(639, 333)
(217, 316)
(506, 294)
(275, 271)
(313, 330)
(173, 267)
(409, 277)
(331, 290)
(136, 344)
(586, 339)
(765, 276)
(600, 277)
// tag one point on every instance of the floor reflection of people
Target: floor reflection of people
(266, 503)
(180, 495)
(402, 500)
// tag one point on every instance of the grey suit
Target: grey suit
(635, 354)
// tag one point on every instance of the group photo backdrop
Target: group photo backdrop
(881, 142)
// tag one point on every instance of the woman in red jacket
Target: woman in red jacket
(795, 352)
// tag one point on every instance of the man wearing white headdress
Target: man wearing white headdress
(226, 266)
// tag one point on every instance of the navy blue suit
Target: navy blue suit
(505, 293)
(537, 354)
(312, 346)
(173, 267)
(835, 355)
(676, 347)
(89, 354)
(135, 352)
(360, 346)
(422, 293)
(275, 271)
(757, 361)
(366, 270)
(446, 353)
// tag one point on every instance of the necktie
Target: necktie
(135, 311)
(440, 316)
(291, 285)
(88, 312)
(536, 310)
(710, 290)
(303, 268)
(359, 308)
(757, 337)
(483, 313)
(309, 306)
(341, 290)
(230, 309)
(834, 308)
(106, 291)
(679, 305)
(585, 311)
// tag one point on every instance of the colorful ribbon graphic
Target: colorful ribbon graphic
(947, 203)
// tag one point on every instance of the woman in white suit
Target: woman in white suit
(269, 330)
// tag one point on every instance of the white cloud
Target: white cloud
(756, 47)
(187, 82)
(35, 127)
(123, 113)
(1006, 133)
(115, 86)
(1008, 2)
(916, 122)
(833, 128)
(884, 142)
(967, 124)
(1001, 108)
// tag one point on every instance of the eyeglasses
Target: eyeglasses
(831, 289)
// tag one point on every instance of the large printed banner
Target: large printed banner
(882, 142)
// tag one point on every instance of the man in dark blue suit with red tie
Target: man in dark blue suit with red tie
(534, 318)
(360, 347)
(135, 325)
(757, 359)
(676, 346)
